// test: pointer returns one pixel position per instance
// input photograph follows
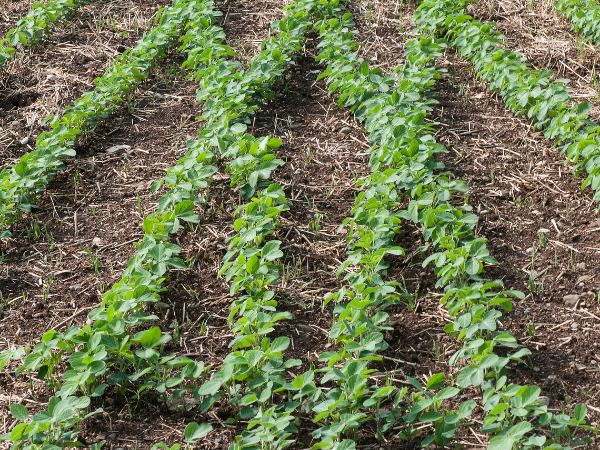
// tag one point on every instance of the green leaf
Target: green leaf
(153, 338)
(580, 412)
(19, 412)
(501, 443)
(271, 250)
(194, 431)
(253, 264)
(280, 344)
(431, 416)
(364, 69)
(209, 388)
(436, 381)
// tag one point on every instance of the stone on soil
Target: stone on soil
(570, 300)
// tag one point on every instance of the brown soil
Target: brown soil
(518, 186)
(11, 12)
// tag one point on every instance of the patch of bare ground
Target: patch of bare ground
(539, 223)
(538, 32)
(248, 24)
(383, 28)
(47, 78)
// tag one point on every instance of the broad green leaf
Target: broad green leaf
(19, 412)
(193, 431)
(253, 264)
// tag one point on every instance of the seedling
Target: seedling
(543, 242)
(531, 328)
(47, 286)
(93, 258)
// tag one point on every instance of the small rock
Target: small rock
(580, 367)
(422, 274)
(328, 345)
(346, 130)
(570, 300)
(562, 286)
(178, 404)
(580, 266)
(51, 77)
(112, 435)
(593, 362)
(544, 401)
(544, 230)
(576, 237)
(574, 325)
(116, 148)
(529, 250)
(218, 441)
(326, 296)
(25, 140)
(552, 377)
(582, 278)
(484, 211)
(536, 369)
(96, 242)
(101, 436)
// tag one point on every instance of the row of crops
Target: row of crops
(406, 183)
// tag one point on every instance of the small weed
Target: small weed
(531, 328)
(93, 258)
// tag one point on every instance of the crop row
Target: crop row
(403, 161)
(36, 25)
(21, 183)
(525, 91)
(585, 16)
